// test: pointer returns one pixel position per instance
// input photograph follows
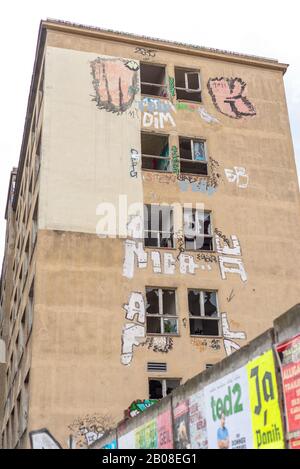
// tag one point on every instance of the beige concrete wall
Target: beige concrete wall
(86, 150)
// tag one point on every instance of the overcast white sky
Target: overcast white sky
(260, 27)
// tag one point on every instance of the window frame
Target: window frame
(188, 71)
(164, 85)
(166, 159)
(202, 316)
(208, 236)
(158, 232)
(193, 160)
(160, 314)
(164, 385)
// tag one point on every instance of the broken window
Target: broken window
(158, 226)
(159, 388)
(161, 311)
(203, 313)
(153, 80)
(187, 82)
(193, 158)
(155, 152)
(197, 230)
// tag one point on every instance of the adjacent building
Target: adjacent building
(152, 225)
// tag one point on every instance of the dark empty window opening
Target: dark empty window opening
(159, 388)
(203, 313)
(158, 226)
(188, 85)
(161, 311)
(153, 82)
(193, 158)
(155, 152)
(198, 230)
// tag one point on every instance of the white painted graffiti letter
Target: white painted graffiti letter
(155, 257)
(135, 306)
(132, 250)
(238, 175)
(42, 439)
(228, 335)
(223, 248)
(187, 264)
(238, 269)
(131, 336)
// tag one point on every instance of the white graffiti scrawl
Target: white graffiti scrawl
(227, 263)
(229, 336)
(42, 439)
(237, 175)
(134, 331)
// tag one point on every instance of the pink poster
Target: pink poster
(164, 430)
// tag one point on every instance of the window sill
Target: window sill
(188, 101)
(198, 175)
(215, 337)
(151, 96)
(200, 251)
(160, 248)
(157, 171)
(162, 335)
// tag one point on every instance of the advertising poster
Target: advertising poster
(197, 418)
(265, 411)
(289, 358)
(127, 441)
(228, 412)
(181, 425)
(146, 436)
(165, 430)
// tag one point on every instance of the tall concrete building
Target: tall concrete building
(102, 305)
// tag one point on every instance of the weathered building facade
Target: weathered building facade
(93, 322)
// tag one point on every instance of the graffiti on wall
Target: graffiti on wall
(134, 331)
(159, 344)
(134, 158)
(159, 112)
(138, 406)
(116, 83)
(145, 52)
(229, 97)
(229, 259)
(205, 343)
(229, 336)
(207, 185)
(86, 430)
(238, 176)
(175, 160)
(42, 439)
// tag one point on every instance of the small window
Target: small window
(159, 388)
(161, 311)
(198, 230)
(153, 81)
(155, 152)
(203, 313)
(193, 158)
(158, 226)
(187, 82)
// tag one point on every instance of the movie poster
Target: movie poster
(181, 425)
(265, 411)
(197, 421)
(289, 358)
(228, 412)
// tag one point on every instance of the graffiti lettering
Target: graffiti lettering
(145, 52)
(135, 158)
(237, 175)
(228, 96)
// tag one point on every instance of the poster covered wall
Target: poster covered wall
(289, 358)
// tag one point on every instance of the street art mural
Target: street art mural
(229, 97)
(238, 176)
(116, 83)
(138, 406)
(42, 439)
